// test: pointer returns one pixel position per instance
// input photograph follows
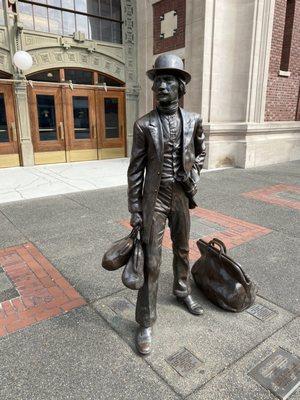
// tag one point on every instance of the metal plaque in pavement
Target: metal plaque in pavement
(184, 362)
(261, 312)
(121, 305)
(280, 373)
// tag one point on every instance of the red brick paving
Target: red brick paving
(237, 232)
(44, 292)
(270, 195)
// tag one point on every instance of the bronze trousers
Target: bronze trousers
(173, 205)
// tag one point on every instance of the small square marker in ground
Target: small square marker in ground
(280, 373)
(184, 362)
(34, 290)
(261, 312)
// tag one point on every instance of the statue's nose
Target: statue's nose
(162, 85)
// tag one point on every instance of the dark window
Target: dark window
(3, 123)
(2, 22)
(81, 117)
(79, 76)
(109, 81)
(46, 117)
(288, 34)
(45, 76)
(97, 19)
(111, 118)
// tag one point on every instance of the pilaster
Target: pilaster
(131, 70)
(260, 57)
(22, 112)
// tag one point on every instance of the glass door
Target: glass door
(47, 123)
(111, 122)
(81, 125)
(9, 147)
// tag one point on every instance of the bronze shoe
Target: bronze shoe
(144, 340)
(191, 304)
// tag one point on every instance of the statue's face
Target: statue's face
(165, 88)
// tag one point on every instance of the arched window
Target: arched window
(95, 19)
(76, 76)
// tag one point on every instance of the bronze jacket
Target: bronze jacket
(144, 172)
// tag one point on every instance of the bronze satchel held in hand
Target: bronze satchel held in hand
(221, 279)
(118, 255)
(133, 273)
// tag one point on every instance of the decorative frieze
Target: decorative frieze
(4, 61)
(76, 58)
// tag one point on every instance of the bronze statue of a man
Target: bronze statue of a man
(167, 156)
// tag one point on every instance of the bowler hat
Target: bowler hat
(169, 63)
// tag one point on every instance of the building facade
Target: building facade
(245, 63)
(88, 83)
(80, 96)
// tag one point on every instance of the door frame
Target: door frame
(52, 151)
(66, 148)
(10, 151)
(81, 149)
(109, 148)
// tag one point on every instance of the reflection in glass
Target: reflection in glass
(105, 10)
(69, 4)
(82, 24)
(106, 30)
(46, 19)
(111, 118)
(81, 117)
(3, 122)
(115, 9)
(81, 5)
(40, 18)
(55, 22)
(79, 76)
(55, 3)
(26, 15)
(94, 28)
(68, 23)
(116, 32)
(46, 117)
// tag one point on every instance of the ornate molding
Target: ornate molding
(35, 41)
(5, 61)
(3, 39)
(58, 57)
(130, 41)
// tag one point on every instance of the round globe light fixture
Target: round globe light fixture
(22, 60)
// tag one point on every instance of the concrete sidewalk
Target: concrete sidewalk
(67, 326)
(22, 183)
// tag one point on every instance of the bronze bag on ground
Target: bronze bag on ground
(133, 274)
(118, 255)
(221, 279)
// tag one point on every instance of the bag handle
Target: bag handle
(134, 233)
(219, 243)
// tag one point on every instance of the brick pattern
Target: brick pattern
(270, 195)
(283, 92)
(236, 233)
(161, 45)
(44, 292)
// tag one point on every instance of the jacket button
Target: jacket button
(155, 190)
(158, 173)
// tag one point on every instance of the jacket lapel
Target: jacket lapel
(187, 128)
(155, 129)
